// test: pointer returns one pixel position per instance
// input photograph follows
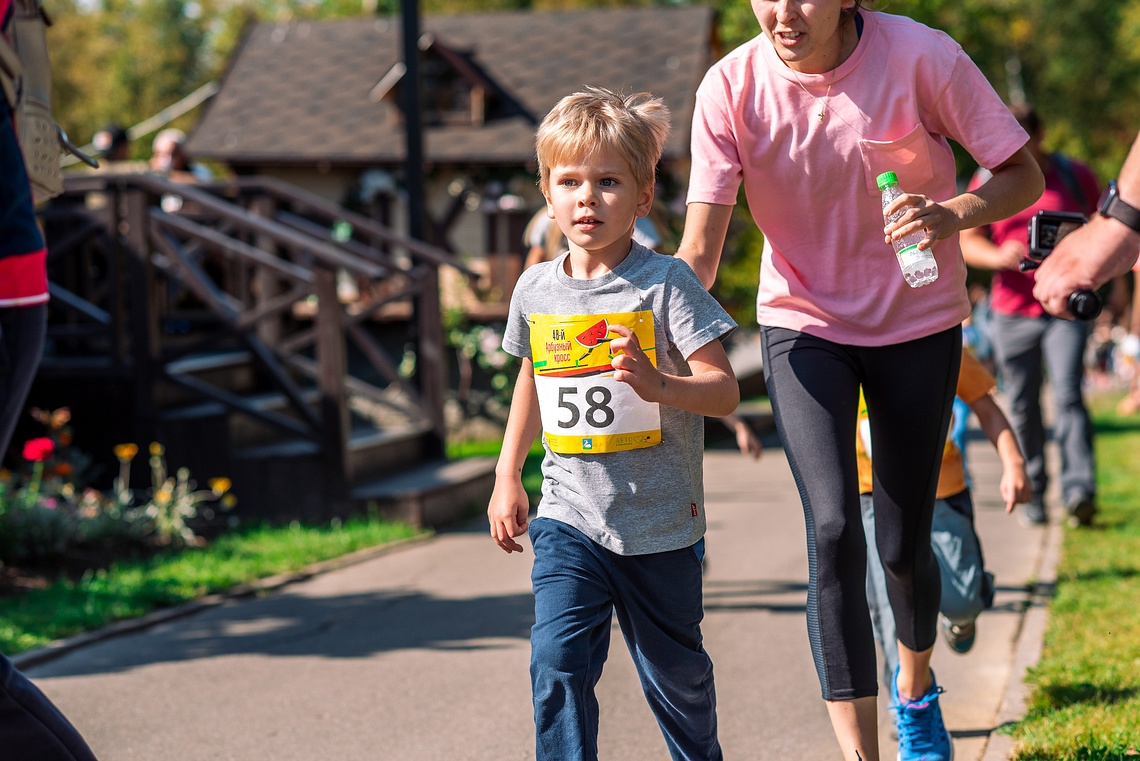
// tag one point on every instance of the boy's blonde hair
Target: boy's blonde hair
(634, 126)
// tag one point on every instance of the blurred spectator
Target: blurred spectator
(169, 157)
(113, 143)
(1029, 343)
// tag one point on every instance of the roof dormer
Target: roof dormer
(454, 90)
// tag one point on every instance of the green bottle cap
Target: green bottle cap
(885, 179)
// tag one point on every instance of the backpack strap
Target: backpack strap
(1064, 167)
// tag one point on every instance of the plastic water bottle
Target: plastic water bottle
(918, 267)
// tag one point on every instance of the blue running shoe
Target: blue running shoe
(922, 733)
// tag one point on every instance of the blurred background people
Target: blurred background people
(1029, 343)
(169, 157)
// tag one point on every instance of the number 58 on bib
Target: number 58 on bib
(584, 410)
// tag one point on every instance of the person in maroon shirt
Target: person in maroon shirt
(1030, 344)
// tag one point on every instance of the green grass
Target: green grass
(532, 467)
(132, 589)
(1085, 692)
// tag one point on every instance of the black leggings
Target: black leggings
(22, 331)
(909, 387)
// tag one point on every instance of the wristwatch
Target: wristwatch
(1113, 206)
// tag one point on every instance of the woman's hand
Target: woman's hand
(920, 214)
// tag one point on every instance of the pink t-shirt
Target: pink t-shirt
(811, 186)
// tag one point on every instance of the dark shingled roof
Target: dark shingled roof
(298, 92)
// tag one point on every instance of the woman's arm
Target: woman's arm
(1016, 183)
(706, 225)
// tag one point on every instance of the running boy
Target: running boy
(620, 361)
(967, 588)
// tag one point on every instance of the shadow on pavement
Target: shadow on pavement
(288, 624)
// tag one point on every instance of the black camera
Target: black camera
(1045, 229)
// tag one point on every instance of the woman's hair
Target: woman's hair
(633, 126)
(848, 14)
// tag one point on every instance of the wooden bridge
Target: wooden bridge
(207, 318)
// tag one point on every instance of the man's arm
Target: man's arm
(706, 225)
(1015, 487)
(1087, 258)
(981, 252)
(509, 505)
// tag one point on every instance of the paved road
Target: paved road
(422, 653)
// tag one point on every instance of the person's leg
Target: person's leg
(959, 554)
(659, 606)
(569, 641)
(22, 331)
(882, 618)
(1063, 346)
(909, 390)
(1017, 348)
(814, 388)
(31, 727)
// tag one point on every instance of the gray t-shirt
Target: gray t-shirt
(636, 501)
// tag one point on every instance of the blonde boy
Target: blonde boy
(621, 359)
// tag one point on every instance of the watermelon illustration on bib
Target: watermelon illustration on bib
(584, 410)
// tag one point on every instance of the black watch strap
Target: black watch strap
(1113, 206)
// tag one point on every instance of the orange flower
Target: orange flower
(63, 469)
(126, 452)
(54, 419)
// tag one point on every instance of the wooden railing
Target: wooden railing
(250, 256)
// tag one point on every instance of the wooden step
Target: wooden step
(434, 494)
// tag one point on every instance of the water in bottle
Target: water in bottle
(918, 267)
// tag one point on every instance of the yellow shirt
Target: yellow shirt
(974, 382)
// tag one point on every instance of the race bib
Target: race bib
(583, 408)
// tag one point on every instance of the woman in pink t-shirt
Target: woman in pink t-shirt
(806, 116)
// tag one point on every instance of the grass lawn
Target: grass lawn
(1085, 692)
(132, 589)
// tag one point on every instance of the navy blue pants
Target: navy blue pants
(814, 387)
(31, 727)
(578, 586)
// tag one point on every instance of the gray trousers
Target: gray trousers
(967, 589)
(1029, 349)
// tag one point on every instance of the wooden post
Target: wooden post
(331, 369)
(432, 368)
(142, 322)
(266, 286)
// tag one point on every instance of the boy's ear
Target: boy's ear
(645, 202)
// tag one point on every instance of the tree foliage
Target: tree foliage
(1077, 61)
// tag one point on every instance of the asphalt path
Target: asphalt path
(422, 653)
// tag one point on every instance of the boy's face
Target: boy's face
(595, 201)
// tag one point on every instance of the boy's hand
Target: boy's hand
(507, 513)
(1015, 488)
(633, 366)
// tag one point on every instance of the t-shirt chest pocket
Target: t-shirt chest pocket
(908, 157)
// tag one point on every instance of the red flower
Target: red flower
(38, 450)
